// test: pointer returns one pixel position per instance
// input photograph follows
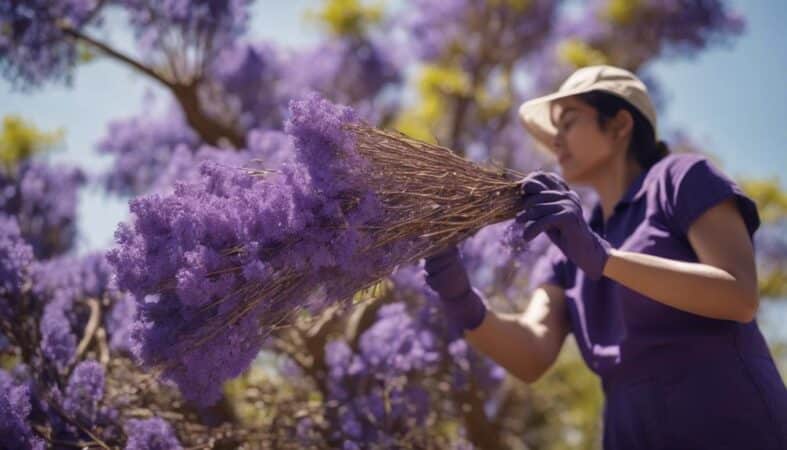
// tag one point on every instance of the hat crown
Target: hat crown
(590, 75)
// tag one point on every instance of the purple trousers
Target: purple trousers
(728, 402)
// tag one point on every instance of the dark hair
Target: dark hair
(643, 145)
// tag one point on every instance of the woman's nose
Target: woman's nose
(557, 139)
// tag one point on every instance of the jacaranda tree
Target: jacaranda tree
(83, 338)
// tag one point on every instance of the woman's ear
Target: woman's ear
(622, 124)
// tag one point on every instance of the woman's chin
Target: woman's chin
(571, 174)
(567, 171)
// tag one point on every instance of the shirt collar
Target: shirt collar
(634, 192)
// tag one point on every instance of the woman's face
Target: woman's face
(581, 146)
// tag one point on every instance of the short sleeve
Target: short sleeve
(550, 268)
(698, 186)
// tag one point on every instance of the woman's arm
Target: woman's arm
(526, 344)
(723, 285)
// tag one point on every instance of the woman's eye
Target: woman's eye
(565, 125)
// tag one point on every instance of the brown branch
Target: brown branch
(56, 406)
(90, 328)
(109, 51)
(210, 130)
(103, 348)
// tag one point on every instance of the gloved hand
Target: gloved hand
(551, 206)
(447, 276)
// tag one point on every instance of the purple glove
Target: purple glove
(447, 276)
(551, 206)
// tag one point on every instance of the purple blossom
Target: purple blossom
(156, 23)
(391, 353)
(143, 148)
(84, 391)
(74, 277)
(273, 148)
(58, 341)
(434, 25)
(250, 78)
(180, 240)
(33, 49)
(44, 199)
(324, 148)
(16, 256)
(397, 343)
(451, 29)
(650, 29)
(267, 149)
(498, 260)
(15, 408)
(120, 323)
(150, 434)
(347, 70)
(60, 285)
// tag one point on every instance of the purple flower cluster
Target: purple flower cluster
(486, 374)
(120, 323)
(143, 148)
(216, 21)
(150, 434)
(44, 199)
(173, 261)
(632, 36)
(447, 29)
(75, 277)
(61, 284)
(251, 79)
(380, 388)
(84, 392)
(348, 70)
(198, 261)
(499, 260)
(16, 256)
(267, 149)
(58, 341)
(390, 354)
(15, 408)
(324, 148)
(33, 49)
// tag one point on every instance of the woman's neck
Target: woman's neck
(613, 183)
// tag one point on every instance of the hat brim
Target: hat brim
(535, 116)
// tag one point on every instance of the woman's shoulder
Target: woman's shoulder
(675, 166)
(677, 170)
(690, 183)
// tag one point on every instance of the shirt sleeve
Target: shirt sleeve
(698, 185)
(550, 268)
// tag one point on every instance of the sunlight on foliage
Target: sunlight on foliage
(770, 198)
(20, 139)
(580, 54)
(347, 17)
(621, 12)
(436, 84)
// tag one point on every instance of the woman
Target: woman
(658, 286)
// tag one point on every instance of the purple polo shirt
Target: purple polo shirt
(626, 337)
(618, 329)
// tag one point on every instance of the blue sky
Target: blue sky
(732, 99)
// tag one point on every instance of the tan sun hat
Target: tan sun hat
(535, 113)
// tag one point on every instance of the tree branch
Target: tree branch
(109, 51)
(90, 328)
(209, 129)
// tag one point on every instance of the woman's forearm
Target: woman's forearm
(510, 343)
(694, 287)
